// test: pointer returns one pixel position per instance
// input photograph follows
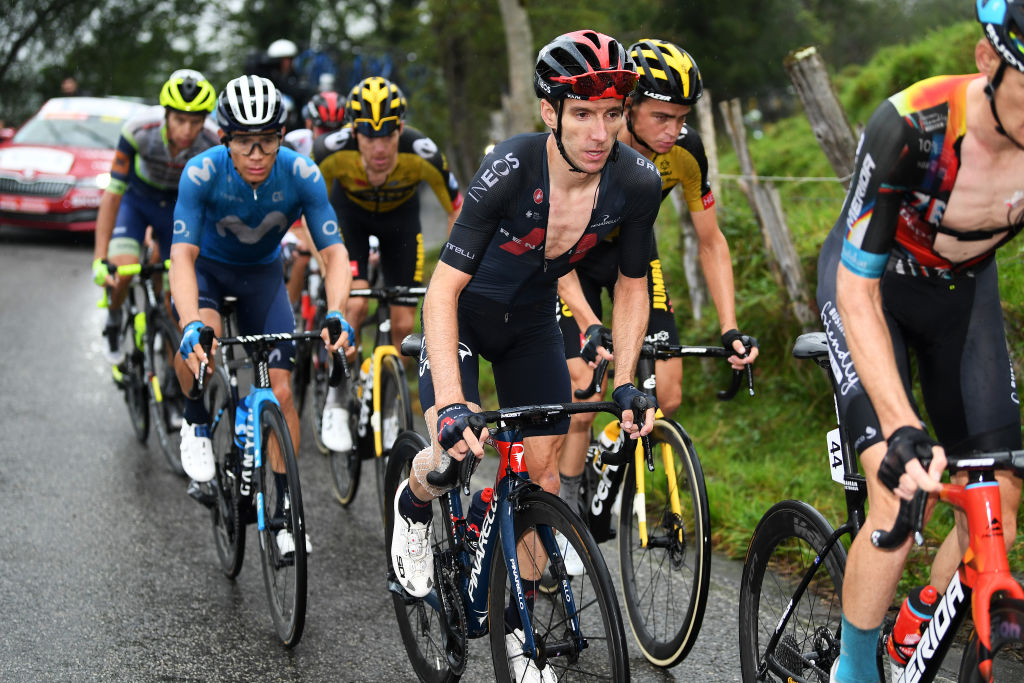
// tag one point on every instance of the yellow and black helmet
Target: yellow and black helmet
(375, 107)
(667, 72)
(188, 90)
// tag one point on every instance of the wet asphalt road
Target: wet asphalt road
(108, 570)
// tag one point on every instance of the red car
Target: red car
(53, 171)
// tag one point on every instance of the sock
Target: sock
(512, 618)
(857, 654)
(570, 490)
(195, 412)
(414, 509)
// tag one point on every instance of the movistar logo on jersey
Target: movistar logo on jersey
(306, 169)
(202, 175)
(245, 233)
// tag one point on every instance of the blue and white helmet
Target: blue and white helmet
(1003, 23)
(250, 104)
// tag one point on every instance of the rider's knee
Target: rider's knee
(581, 422)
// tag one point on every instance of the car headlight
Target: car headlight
(99, 181)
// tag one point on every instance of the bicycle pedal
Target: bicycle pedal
(201, 493)
(395, 587)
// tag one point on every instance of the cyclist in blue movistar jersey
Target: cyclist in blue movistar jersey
(151, 153)
(235, 202)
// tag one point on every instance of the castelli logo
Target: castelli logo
(538, 196)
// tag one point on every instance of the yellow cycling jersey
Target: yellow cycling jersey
(419, 159)
(686, 164)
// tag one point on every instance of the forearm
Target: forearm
(106, 215)
(572, 294)
(441, 335)
(716, 262)
(184, 288)
(337, 276)
(629, 324)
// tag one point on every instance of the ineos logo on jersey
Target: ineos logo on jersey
(425, 147)
(202, 175)
(305, 168)
(489, 177)
(641, 161)
(247, 234)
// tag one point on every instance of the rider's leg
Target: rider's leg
(403, 320)
(669, 376)
(574, 447)
(355, 312)
(281, 383)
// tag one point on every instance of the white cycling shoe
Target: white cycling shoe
(573, 563)
(197, 452)
(286, 543)
(334, 432)
(411, 555)
(525, 669)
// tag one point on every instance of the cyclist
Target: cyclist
(234, 204)
(379, 163)
(538, 204)
(151, 153)
(669, 85)
(909, 266)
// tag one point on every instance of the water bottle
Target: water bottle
(475, 517)
(609, 436)
(915, 613)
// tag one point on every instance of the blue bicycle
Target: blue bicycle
(574, 632)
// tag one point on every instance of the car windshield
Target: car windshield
(68, 130)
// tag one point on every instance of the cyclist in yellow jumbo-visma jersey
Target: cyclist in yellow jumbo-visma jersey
(379, 163)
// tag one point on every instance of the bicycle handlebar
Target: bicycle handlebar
(910, 517)
(388, 292)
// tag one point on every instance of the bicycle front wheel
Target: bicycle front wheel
(665, 580)
(227, 512)
(1007, 662)
(784, 546)
(419, 620)
(168, 401)
(318, 389)
(395, 417)
(279, 514)
(578, 629)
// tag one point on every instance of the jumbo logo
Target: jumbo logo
(202, 175)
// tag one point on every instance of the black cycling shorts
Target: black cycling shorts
(953, 326)
(524, 347)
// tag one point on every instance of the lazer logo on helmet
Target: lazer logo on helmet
(656, 96)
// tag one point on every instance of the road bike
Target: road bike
(248, 433)
(572, 633)
(379, 405)
(150, 339)
(664, 528)
(790, 611)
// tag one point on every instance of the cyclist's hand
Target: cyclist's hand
(596, 341)
(631, 400)
(347, 333)
(744, 345)
(101, 273)
(191, 350)
(903, 469)
(454, 433)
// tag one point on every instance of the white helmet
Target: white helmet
(250, 104)
(279, 49)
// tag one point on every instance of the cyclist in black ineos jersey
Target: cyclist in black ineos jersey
(909, 266)
(535, 208)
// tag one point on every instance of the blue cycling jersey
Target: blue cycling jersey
(232, 222)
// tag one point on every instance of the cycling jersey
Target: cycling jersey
(907, 164)
(232, 222)
(301, 140)
(686, 164)
(419, 159)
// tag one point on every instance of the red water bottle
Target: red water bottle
(475, 517)
(915, 613)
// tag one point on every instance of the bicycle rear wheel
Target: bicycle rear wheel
(1007, 663)
(168, 401)
(419, 621)
(226, 514)
(596, 650)
(347, 465)
(318, 390)
(395, 416)
(133, 380)
(665, 582)
(279, 508)
(784, 546)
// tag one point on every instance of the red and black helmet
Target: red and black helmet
(326, 110)
(583, 65)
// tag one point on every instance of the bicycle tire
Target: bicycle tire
(302, 373)
(395, 418)
(346, 466)
(133, 380)
(418, 622)
(665, 584)
(784, 545)
(604, 657)
(1007, 618)
(227, 514)
(167, 401)
(284, 577)
(318, 389)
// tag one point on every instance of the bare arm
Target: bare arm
(441, 332)
(338, 282)
(629, 325)
(185, 290)
(106, 215)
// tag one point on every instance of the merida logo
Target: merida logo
(945, 611)
(857, 203)
(202, 175)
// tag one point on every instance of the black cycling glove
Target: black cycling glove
(905, 444)
(596, 335)
(628, 397)
(452, 421)
(730, 336)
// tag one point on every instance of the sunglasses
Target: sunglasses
(597, 85)
(247, 144)
(376, 129)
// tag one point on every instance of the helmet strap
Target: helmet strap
(990, 93)
(629, 127)
(561, 150)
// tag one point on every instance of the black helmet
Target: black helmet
(1002, 21)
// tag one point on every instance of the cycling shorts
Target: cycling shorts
(953, 325)
(401, 241)
(135, 213)
(524, 347)
(263, 306)
(599, 271)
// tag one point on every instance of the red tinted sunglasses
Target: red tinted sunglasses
(597, 85)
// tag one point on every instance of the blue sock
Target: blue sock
(857, 654)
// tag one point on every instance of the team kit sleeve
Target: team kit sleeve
(689, 153)
(881, 173)
(643, 191)
(124, 156)
(196, 178)
(439, 176)
(320, 215)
